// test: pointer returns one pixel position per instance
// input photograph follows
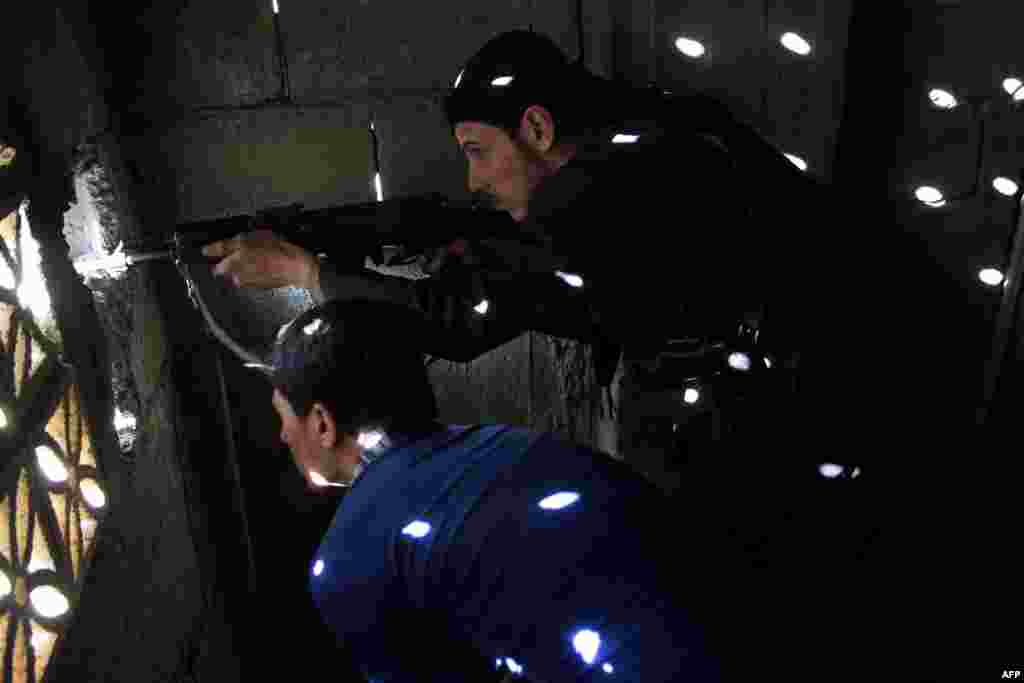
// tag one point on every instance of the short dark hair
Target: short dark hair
(541, 75)
(354, 356)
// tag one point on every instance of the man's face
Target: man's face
(506, 170)
(300, 435)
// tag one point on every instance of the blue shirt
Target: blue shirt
(551, 559)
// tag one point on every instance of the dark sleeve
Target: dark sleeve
(454, 331)
(657, 232)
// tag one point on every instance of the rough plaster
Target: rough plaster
(795, 102)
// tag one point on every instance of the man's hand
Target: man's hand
(262, 259)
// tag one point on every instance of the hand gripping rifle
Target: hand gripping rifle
(346, 235)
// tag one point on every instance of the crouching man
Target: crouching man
(460, 552)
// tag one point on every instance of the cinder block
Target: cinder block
(387, 45)
(418, 153)
(244, 161)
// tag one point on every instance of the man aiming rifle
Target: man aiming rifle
(639, 241)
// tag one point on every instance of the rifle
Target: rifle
(345, 234)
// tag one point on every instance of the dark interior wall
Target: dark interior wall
(920, 329)
(924, 261)
(909, 323)
(794, 102)
(348, 63)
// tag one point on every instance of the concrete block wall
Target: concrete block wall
(348, 63)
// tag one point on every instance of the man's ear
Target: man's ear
(326, 429)
(537, 129)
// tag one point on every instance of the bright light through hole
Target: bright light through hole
(943, 99)
(625, 139)
(417, 529)
(797, 161)
(93, 494)
(51, 464)
(691, 396)
(40, 639)
(370, 440)
(690, 47)
(5, 585)
(32, 293)
(502, 81)
(318, 568)
(276, 8)
(123, 420)
(49, 602)
(39, 562)
(559, 500)
(739, 361)
(587, 643)
(608, 668)
(830, 470)
(458, 79)
(570, 279)
(380, 188)
(929, 195)
(3, 419)
(513, 666)
(991, 276)
(1012, 85)
(482, 307)
(1019, 95)
(794, 43)
(1005, 186)
(313, 327)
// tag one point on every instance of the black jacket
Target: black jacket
(675, 236)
